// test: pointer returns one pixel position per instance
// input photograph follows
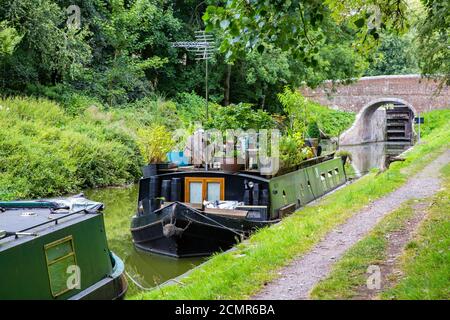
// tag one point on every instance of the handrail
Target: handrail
(23, 232)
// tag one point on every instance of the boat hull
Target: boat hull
(180, 231)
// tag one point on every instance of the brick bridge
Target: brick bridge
(368, 94)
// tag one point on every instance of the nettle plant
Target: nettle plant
(154, 143)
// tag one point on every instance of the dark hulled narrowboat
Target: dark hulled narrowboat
(57, 249)
(204, 211)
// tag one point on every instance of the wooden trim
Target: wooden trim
(204, 182)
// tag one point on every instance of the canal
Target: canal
(146, 269)
(376, 155)
(149, 270)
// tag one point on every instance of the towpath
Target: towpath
(296, 280)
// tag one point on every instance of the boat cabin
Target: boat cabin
(262, 198)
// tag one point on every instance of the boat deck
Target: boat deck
(32, 221)
(214, 211)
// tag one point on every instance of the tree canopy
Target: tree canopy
(121, 51)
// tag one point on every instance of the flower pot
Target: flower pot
(150, 170)
(231, 165)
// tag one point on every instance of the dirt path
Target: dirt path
(397, 241)
(298, 278)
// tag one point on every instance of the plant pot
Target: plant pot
(231, 165)
(155, 204)
(150, 170)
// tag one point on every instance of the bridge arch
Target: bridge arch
(370, 126)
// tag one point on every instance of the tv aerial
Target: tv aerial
(203, 47)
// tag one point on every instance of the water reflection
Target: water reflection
(373, 155)
(145, 268)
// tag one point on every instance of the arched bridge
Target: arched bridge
(407, 95)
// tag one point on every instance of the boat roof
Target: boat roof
(36, 221)
(246, 174)
(249, 173)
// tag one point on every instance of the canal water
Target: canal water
(149, 270)
(376, 155)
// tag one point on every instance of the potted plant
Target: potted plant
(154, 144)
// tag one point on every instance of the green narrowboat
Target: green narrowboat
(57, 250)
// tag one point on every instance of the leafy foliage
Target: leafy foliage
(434, 40)
(310, 118)
(396, 55)
(241, 116)
(154, 143)
(43, 152)
(9, 38)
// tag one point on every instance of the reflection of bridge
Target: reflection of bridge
(368, 94)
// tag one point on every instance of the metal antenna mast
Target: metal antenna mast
(204, 48)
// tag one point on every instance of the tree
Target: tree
(9, 39)
(434, 40)
(48, 50)
(300, 27)
(396, 55)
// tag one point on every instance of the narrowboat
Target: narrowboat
(188, 211)
(57, 250)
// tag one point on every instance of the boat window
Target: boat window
(330, 174)
(195, 195)
(212, 191)
(60, 255)
(199, 189)
(336, 171)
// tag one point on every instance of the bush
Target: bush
(44, 152)
(311, 118)
(154, 143)
(240, 116)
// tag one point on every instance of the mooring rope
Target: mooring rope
(152, 288)
(137, 283)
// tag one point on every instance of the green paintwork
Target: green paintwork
(305, 185)
(24, 273)
(28, 204)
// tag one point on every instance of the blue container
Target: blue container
(178, 158)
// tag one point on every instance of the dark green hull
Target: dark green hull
(57, 256)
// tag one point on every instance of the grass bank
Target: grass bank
(241, 273)
(425, 262)
(44, 151)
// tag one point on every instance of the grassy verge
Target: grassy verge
(241, 273)
(46, 152)
(350, 272)
(426, 261)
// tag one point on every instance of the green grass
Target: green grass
(350, 271)
(241, 273)
(433, 119)
(426, 261)
(46, 152)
